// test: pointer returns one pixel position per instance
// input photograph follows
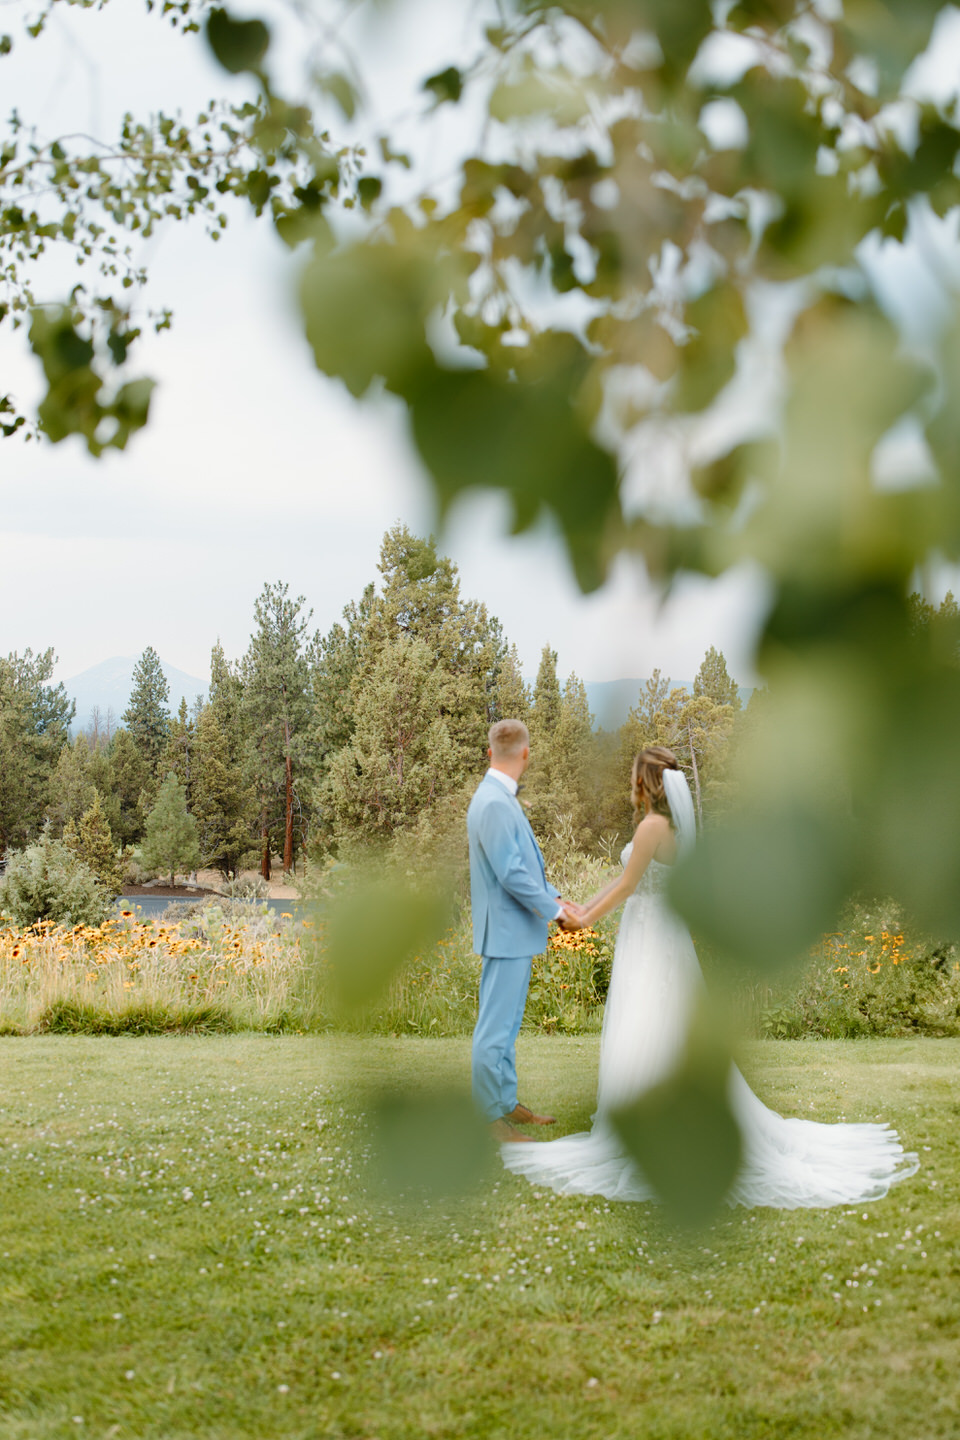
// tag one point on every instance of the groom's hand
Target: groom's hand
(571, 917)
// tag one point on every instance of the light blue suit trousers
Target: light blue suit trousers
(513, 904)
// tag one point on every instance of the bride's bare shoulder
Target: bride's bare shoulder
(652, 824)
(651, 831)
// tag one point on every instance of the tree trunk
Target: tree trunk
(288, 832)
(288, 790)
(696, 776)
(265, 852)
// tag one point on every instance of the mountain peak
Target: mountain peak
(107, 686)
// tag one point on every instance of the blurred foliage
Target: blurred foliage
(599, 227)
(372, 929)
(682, 1133)
(429, 1143)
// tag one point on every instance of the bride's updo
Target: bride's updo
(647, 781)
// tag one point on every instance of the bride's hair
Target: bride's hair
(647, 775)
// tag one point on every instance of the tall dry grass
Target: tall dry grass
(127, 974)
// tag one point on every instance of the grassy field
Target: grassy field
(190, 1247)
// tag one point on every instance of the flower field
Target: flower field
(234, 967)
(132, 975)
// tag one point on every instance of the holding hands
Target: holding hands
(572, 916)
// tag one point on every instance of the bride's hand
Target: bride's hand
(575, 917)
(570, 919)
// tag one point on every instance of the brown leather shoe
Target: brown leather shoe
(506, 1134)
(521, 1115)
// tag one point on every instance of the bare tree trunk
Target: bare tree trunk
(288, 832)
(288, 796)
(265, 851)
(696, 776)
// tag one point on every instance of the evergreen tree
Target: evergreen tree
(545, 708)
(638, 730)
(170, 843)
(574, 757)
(401, 758)
(34, 721)
(277, 709)
(223, 804)
(540, 781)
(612, 809)
(511, 700)
(335, 660)
(226, 699)
(72, 787)
(131, 787)
(937, 625)
(421, 599)
(698, 730)
(712, 679)
(557, 782)
(146, 717)
(92, 841)
(178, 752)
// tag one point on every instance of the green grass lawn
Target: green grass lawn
(189, 1246)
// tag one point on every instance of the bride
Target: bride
(654, 986)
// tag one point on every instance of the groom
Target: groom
(513, 904)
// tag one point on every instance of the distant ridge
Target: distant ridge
(108, 686)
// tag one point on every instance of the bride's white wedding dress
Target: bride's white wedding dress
(654, 985)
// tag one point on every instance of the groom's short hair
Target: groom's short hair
(507, 738)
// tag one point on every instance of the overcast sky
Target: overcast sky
(256, 468)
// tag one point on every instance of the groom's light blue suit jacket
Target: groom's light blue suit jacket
(513, 902)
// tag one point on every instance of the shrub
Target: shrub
(870, 978)
(207, 919)
(47, 881)
(250, 887)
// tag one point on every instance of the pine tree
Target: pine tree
(170, 843)
(712, 679)
(543, 718)
(421, 599)
(698, 730)
(72, 787)
(178, 751)
(223, 804)
(92, 841)
(560, 783)
(545, 707)
(34, 721)
(574, 758)
(511, 699)
(225, 696)
(937, 626)
(131, 787)
(335, 660)
(401, 758)
(146, 717)
(277, 710)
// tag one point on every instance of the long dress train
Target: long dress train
(654, 984)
